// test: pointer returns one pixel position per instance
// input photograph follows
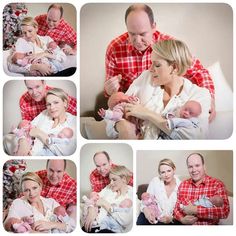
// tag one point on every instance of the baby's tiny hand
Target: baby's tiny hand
(101, 112)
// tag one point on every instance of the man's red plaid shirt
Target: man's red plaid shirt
(30, 108)
(64, 193)
(99, 182)
(63, 33)
(189, 192)
(122, 58)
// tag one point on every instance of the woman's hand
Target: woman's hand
(43, 226)
(34, 132)
(149, 216)
(136, 110)
(91, 216)
(24, 148)
(166, 219)
(103, 203)
(42, 69)
(38, 133)
(36, 57)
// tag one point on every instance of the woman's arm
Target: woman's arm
(144, 113)
(91, 216)
(42, 226)
(40, 69)
(37, 133)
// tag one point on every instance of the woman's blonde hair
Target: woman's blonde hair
(58, 93)
(30, 176)
(29, 21)
(174, 52)
(167, 162)
(121, 171)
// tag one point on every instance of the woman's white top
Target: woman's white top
(24, 46)
(45, 123)
(152, 98)
(123, 218)
(166, 204)
(21, 207)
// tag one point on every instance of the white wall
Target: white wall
(207, 28)
(13, 90)
(219, 164)
(120, 154)
(35, 9)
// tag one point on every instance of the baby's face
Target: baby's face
(65, 133)
(127, 203)
(145, 196)
(52, 45)
(189, 110)
(61, 135)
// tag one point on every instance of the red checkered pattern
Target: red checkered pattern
(122, 58)
(62, 33)
(189, 192)
(30, 108)
(64, 193)
(98, 182)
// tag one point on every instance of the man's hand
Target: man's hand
(190, 209)
(212, 110)
(188, 220)
(112, 85)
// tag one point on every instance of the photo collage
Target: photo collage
(117, 117)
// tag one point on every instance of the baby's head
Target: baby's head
(190, 109)
(116, 98)
(94, 196)
(145, 196)
(126, 203)
(52, 45)
(217, 201)
(60, 211)
(65, 133)
(20, 58)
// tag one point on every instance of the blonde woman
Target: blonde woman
(51, 122)
(117, 191)
(161, 89)
(33, 208)
(164, 187)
